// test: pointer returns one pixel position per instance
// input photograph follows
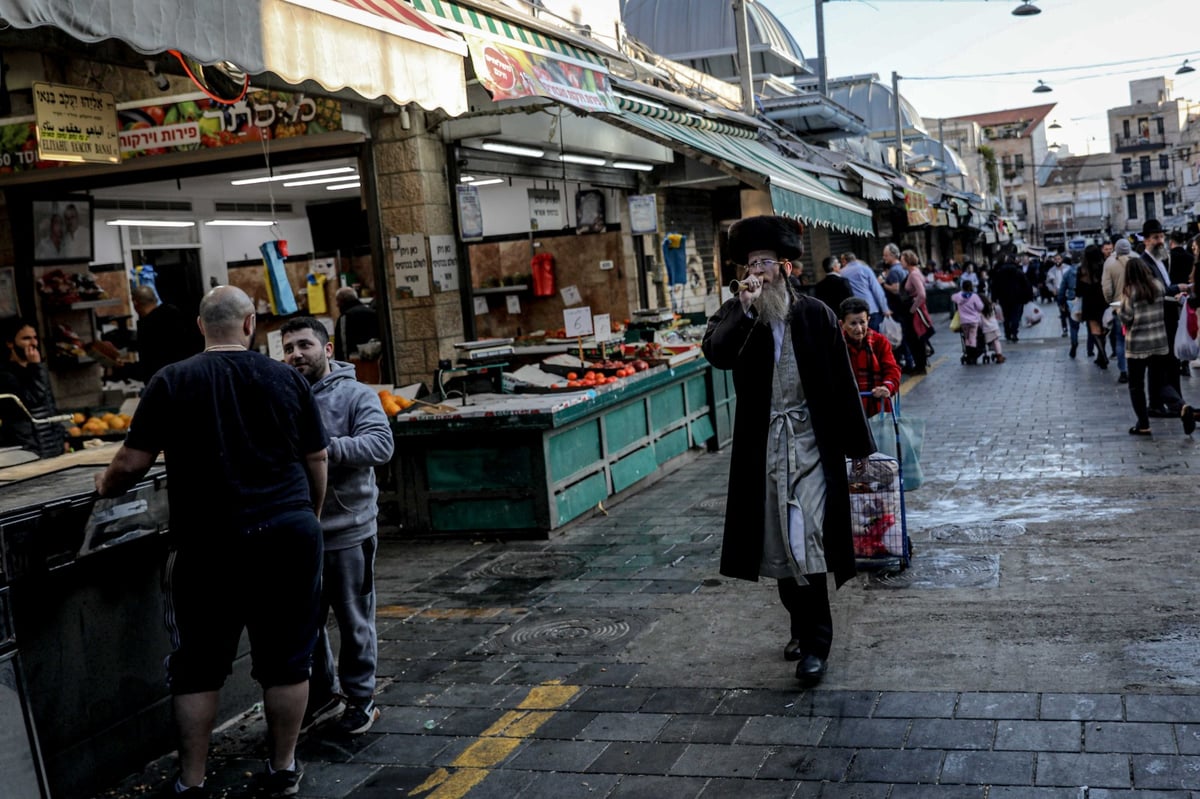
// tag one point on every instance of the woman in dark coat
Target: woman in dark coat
(738, 339)
(1089, 288)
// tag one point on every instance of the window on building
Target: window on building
(1164, 162)
(1019, 162)
(1159, 126)
(1144, 166)
(1125, 127)
(1148, 205)
(1126, 165)
(1131, 206)
(1143, 127)
(1022, 207)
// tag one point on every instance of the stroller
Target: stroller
(977, 354)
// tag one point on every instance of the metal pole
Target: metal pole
(822, 72)
(741, 30)
(1035, 215)
(942, 155)
(899, 126)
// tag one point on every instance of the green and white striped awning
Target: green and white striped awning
(467, 20)
(656, 111)
(794, 192)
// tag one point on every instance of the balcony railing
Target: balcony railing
(1151, 141)
(1145, 178)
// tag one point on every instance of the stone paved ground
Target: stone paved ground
(1043, 644)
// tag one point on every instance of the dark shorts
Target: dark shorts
(265, 580)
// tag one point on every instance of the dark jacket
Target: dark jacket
(164, 337)
(32, 384)
(358, 324)
(1009, 286)
(1181, 265)
(831, 290)
(734, 341)
(1170, 306)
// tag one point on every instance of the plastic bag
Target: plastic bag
(1034, 316)
(912, 441)
(1077, 308)
(955, 322)
(890, 328)
(1186, 347)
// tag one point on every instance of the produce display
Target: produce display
(394, 403)
(105, 424)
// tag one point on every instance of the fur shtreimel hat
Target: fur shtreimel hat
(776, 233)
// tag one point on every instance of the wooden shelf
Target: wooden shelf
(83, 305)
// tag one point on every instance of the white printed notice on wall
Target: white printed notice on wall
(443, 259)
(545, 209)
(514, 304)
(481, 306)
(411, 266)
(570, 295)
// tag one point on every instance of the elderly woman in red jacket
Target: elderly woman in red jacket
(875, 367)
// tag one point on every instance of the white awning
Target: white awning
(874, 187)
(377, 49)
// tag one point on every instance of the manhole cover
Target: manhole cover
(943, 570)
(575, 635)
(976, 533)
(714, 505)
(532, 566)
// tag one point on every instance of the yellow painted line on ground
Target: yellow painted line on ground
(907, 385)
(497, 742)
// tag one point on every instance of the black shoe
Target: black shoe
(1159, 413)
(1189, 420)
(1064, 333)
(1074, 349)
(281, 783)
(356, 719)
(810, 670)
(792, 651)
(321, 711)
(195, 792)
(1102, 361)
(1185, 370)
(1124, 378)
(1139, 431)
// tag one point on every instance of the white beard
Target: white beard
(1160, 253)
(774, 303)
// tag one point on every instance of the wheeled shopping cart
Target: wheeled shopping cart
(878, 517)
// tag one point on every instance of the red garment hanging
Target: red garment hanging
(543, 274)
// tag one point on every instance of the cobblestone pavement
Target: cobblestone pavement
(1043, 643)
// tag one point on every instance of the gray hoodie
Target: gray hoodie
(360, 438)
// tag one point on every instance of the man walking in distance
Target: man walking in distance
(1164, 369)
(798, 419)
(359, 440)
(246, 469)
(865, 284)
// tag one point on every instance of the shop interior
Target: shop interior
(196, 232)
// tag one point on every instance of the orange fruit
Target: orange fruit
(74, 431)
(78, 418)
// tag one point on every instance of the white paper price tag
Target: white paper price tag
(481, 306)
(570, 295)
(577, 321)
(514, 304)
(602, 326)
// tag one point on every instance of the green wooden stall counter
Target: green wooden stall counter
(520, 465)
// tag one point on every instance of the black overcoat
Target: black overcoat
(734, 341)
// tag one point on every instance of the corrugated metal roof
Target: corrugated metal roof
(679, 29)
(872, 102)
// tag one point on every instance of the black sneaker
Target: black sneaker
(321, 713)
(195, 792)
(356, 719)
(281, 783)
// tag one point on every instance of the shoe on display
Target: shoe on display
(281, 783)
(357, 719)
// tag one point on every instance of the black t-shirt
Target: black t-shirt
(235, 428)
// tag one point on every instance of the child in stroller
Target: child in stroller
(970, 314)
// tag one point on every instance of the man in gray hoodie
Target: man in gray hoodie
(360, 439)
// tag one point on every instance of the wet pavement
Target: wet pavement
(1045, 641)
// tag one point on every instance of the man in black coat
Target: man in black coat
(798, 409)
(1164, 371)
(833, 288)
(1012, 291)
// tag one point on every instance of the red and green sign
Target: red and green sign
(189, 122)
(510, 73)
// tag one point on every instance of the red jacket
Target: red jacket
(874, 365)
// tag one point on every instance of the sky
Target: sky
(945, 38)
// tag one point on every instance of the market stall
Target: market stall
(521, 465)
(80, 596)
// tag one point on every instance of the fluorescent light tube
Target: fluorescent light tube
(338, 170)
(315, 181)
(589, 160)
(465, 179)
(341, 186)
(488, 182)
(633, 165)
(512, 149)
(149, 223)
(240, 222)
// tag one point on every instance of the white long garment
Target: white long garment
(793, 545)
